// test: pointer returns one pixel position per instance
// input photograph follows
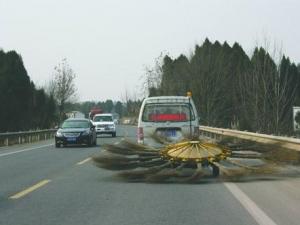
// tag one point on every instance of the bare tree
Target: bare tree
(63, 86)
(255, 88)
(267, 91)
(132, 103)
(283, 95)
(153, 75)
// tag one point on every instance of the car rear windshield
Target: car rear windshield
(75, 124)
(167, 112)
(103, 119)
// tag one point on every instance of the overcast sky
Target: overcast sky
(109, 42)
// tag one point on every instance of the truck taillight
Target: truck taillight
(140, 134)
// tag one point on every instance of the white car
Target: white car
(104, 124)
(173, 117)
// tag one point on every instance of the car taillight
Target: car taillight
(140, 134)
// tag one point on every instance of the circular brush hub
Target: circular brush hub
(194, 151)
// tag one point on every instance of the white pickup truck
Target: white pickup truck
(104, 124)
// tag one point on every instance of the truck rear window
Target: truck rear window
(167, 112)
(75, 124)
(103, 119)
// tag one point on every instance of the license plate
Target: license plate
(71, 139)
(170, 133)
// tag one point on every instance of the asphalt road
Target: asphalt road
(40, 184)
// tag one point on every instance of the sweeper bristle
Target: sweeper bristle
(116, 166)
(129, 151)
(135, 147)
(185, 161)
(112, 158)
(141, 174)
(197, 175)
(162, 175)
(175, 171)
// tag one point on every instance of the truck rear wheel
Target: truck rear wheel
(90, 142)
(215, 171)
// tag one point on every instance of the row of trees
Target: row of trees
(128, 108)
(26, 107)
(230, 88)
(23, 106)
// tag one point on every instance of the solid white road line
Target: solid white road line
(84, 161)
(257, 213)
(24, 150)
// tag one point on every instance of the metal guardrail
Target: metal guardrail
(11, 138)
(285, 142)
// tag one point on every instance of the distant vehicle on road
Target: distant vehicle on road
(94, 111)
(76, 131)
(170, 117)
(116, 118)
(116, 121)
(105, 124)
(75, 114)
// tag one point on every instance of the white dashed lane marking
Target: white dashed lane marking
(254, 210)
(24, 150)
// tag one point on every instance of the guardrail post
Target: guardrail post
(6, 142)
